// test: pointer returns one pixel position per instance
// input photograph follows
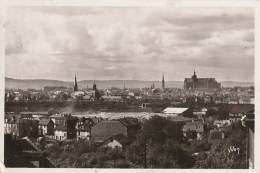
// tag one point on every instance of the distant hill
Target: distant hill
(34, 83)
(235, 84)
(104, 84)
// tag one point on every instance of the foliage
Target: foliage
(191, 134)
(219, 155)
(158, 129)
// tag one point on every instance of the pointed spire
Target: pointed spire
(163, 83)
(76, 84)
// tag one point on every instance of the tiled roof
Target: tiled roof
(106, 129)
(44, 121)
(181, 119)
(241, 108)
(61, 127)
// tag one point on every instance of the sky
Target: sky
(129, 43)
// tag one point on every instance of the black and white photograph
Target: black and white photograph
(129, 87)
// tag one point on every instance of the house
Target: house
(57, 119)
(199, 113)
(181, 119)
(194, 126)
(46, 127)
(37, 115)
(16, 126)
(88, 98)
(61, 132)
(83, 128)
(23, 153)
(110, 98)
(116, 141)
(66, 128)
(236, 112)
(11, 125)
(106, 129)
(176, 111)
(222, 123)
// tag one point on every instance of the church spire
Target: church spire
(76, 84)
(94, 86)
(163, 83)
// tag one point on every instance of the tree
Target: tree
(170, 155)
(154, 129)
(191, 134)
(174, 131)
(219, 155)
(135, 153)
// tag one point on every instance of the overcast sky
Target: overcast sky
(122, 43)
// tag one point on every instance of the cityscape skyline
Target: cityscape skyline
(115, 44)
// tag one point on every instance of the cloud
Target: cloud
(129, 43)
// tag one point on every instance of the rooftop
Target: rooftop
(174, 110)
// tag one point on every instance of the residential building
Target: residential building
(116, 141)
(237, 111)
(46, 127)
(196, 126)
(176, 111)
(106, 129)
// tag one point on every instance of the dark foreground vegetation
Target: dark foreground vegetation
(158, 144)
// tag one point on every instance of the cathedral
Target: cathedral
(200, 83)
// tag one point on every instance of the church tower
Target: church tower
(194, 76)
(76, 84)
(194, 80)
(163, 83)
(94, 86)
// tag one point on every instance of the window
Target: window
(197, 127)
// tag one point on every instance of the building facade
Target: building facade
(200, 83)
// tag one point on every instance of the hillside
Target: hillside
(104, 84)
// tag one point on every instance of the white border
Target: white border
(150, 3)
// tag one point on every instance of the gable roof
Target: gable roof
(44, 121)
(106, 129)
(122, 139)
(61, 127)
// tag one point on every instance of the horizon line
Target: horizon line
(125, 80)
